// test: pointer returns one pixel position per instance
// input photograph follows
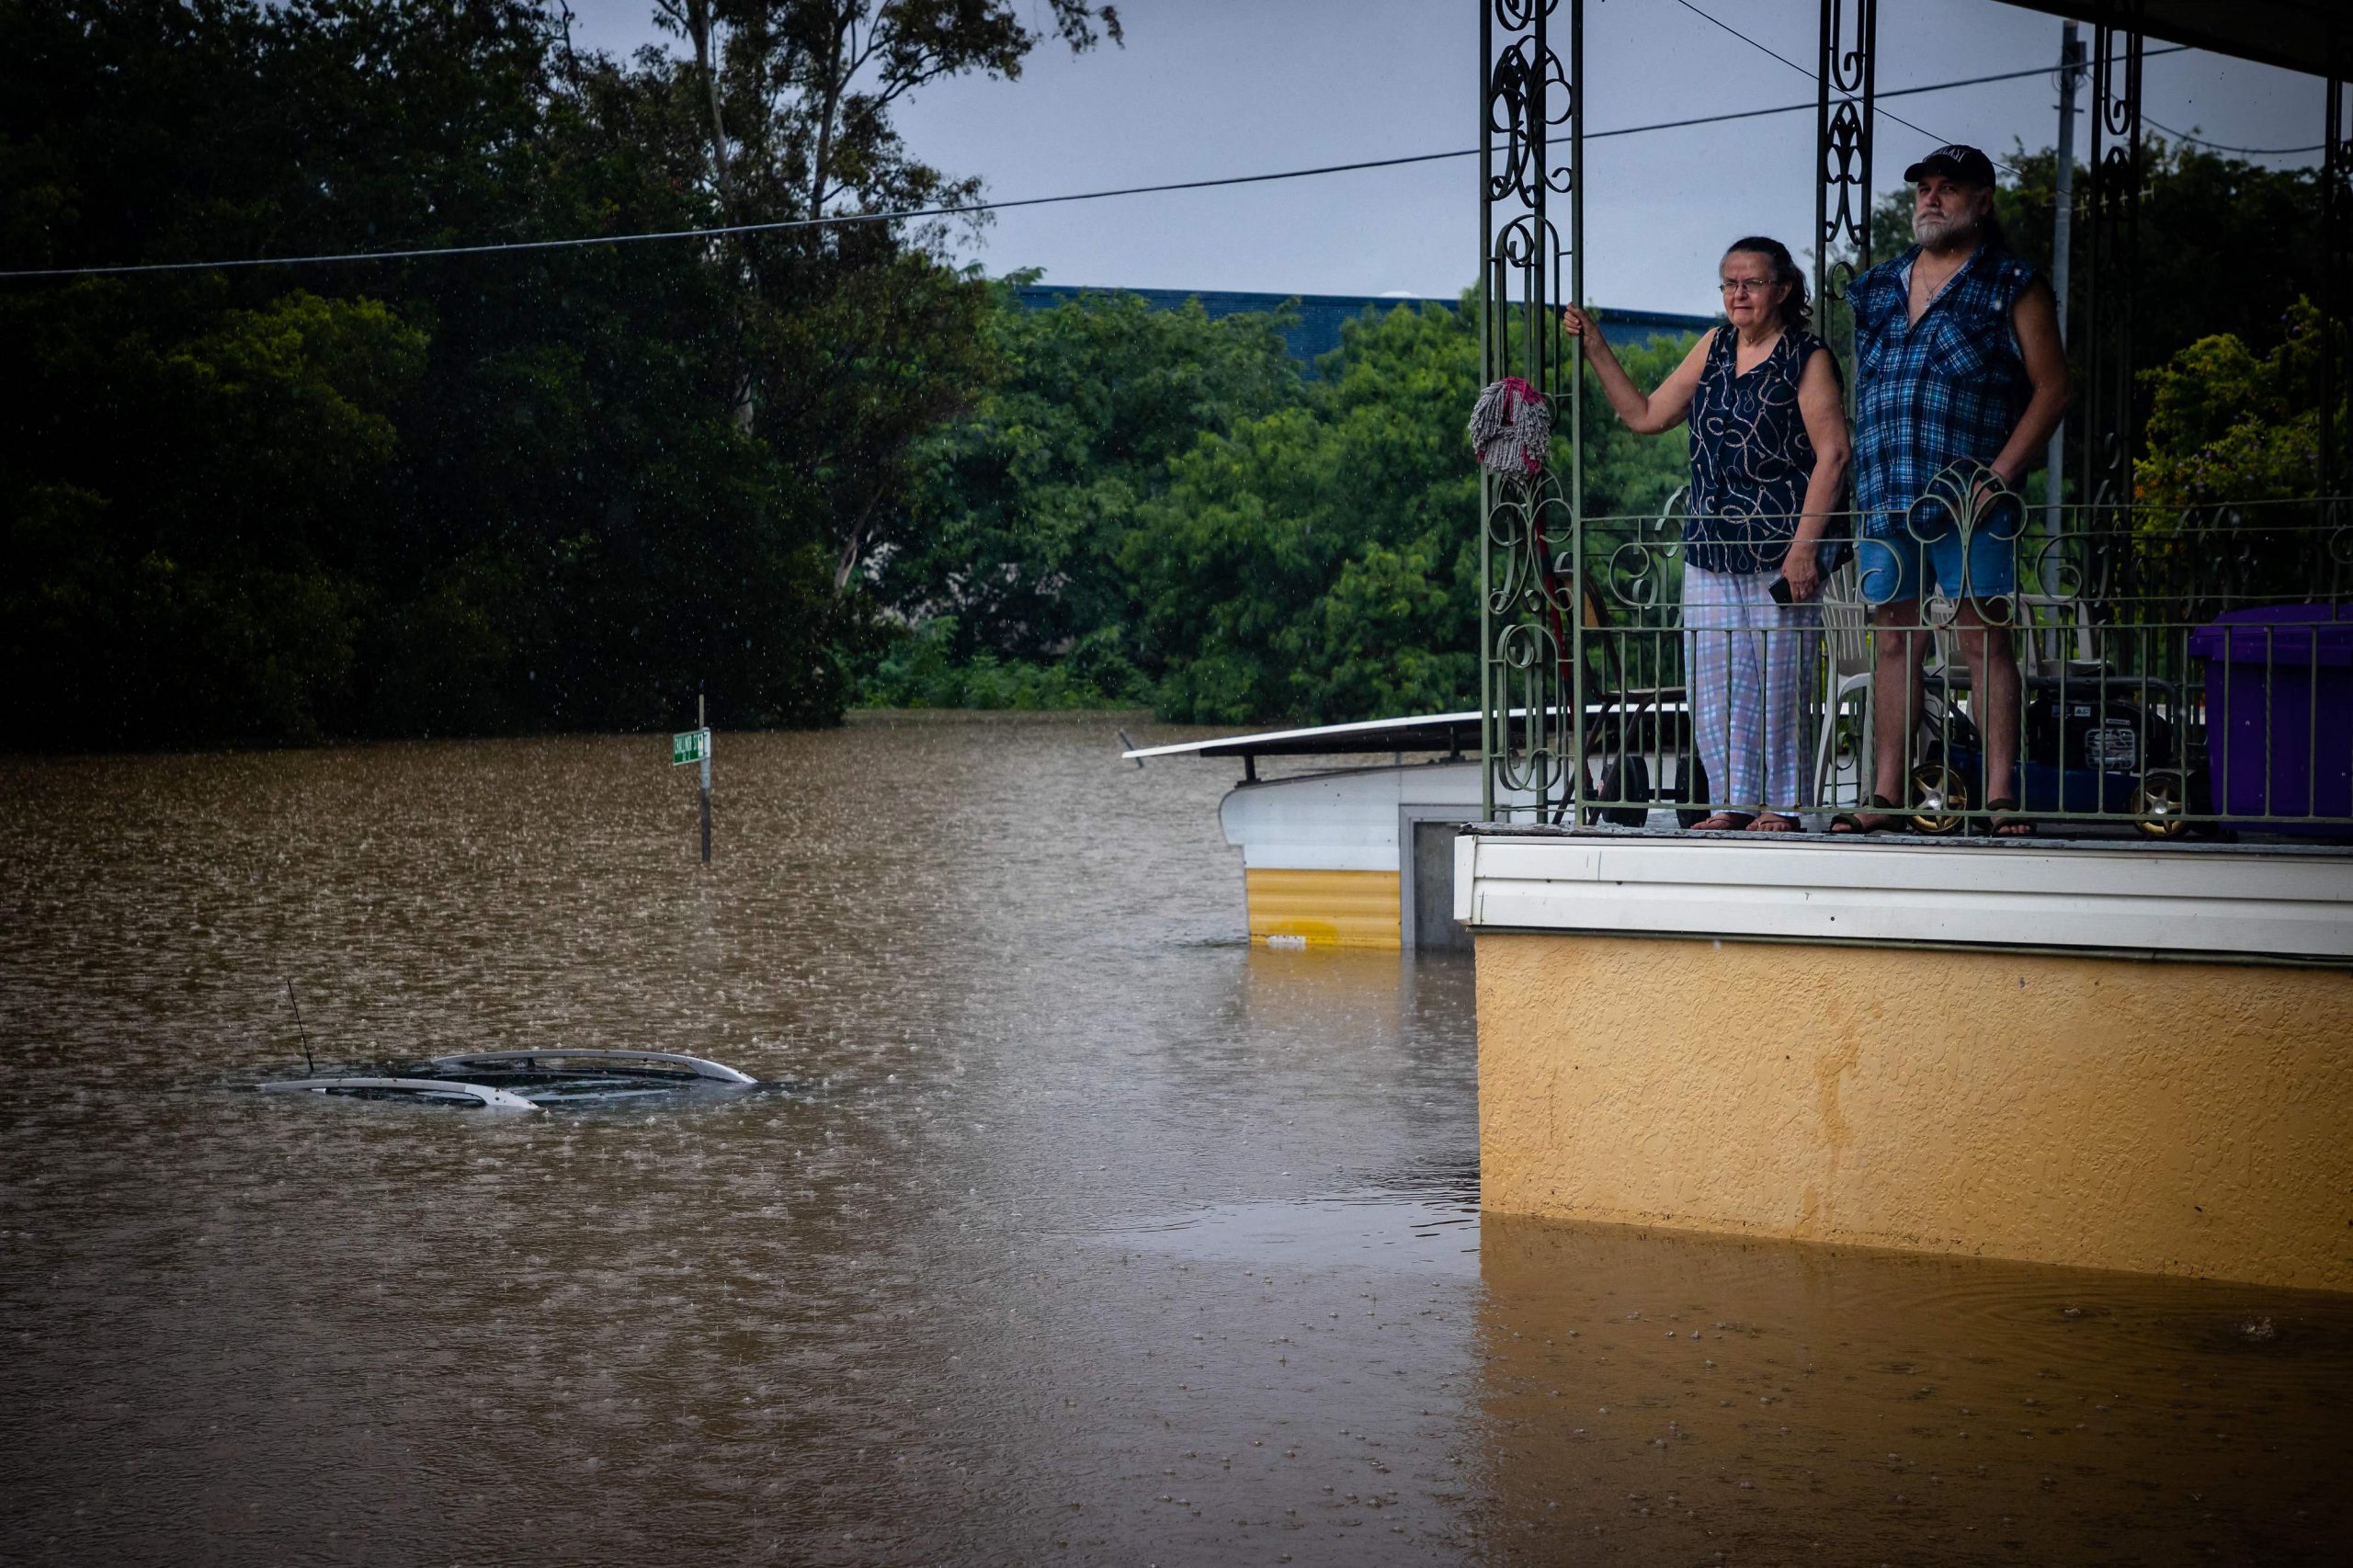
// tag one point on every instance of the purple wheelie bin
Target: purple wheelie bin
(2279, 716)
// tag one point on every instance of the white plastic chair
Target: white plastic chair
(1846, 640)
(2057, 639)
(1847, 644)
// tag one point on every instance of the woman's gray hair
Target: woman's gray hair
(1797, 311)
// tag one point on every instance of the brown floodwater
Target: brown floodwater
(1076, 1229)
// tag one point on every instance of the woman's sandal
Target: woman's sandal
(1722, 822)
(1774, 821)
(1879, 814)
(2002, 820)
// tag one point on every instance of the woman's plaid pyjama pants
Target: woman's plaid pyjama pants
(1750, 666)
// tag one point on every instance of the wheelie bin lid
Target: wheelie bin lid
(2279, 634)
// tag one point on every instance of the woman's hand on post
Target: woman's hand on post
(1576, 323)
(1805, 577)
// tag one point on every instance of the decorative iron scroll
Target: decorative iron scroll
(2113, 257)
(1531, 632)
(1842, 182)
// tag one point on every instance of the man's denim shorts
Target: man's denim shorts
(1896, 563)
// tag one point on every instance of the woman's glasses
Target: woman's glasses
(1746, 286)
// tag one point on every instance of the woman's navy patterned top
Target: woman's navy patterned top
(1750, 458)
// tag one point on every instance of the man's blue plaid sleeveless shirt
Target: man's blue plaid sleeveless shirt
(1951, 385)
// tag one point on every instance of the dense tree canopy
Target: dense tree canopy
(1156, 507)
(477, 492)
(2227, 423)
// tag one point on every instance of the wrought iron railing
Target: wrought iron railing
(2179, 672)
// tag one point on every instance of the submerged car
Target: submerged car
(528, 1080)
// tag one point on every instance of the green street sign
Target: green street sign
(692, 747)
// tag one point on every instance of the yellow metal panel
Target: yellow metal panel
(1324, 909)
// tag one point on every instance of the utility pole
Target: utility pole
(2062, 222)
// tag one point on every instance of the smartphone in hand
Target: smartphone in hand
(1780, 590)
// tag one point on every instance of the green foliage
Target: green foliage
(207, 580)
(568, 488)
(1629, 478)
(2228, 424)
(851, 345)
(921, 669)
(1018, 515)
(1158, 503)
(1271, 577)
(2224, 245)
(1386, 637)
(539, 489)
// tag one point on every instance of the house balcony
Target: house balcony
(2123, 1041)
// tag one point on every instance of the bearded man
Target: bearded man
(1961, 377)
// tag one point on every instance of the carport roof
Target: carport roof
(2311, 36)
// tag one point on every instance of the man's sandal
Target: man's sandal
(1879, 814)
(2003, 821)
(1722, 822)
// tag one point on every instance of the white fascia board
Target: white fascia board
(2285, 903)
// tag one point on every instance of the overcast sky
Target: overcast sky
(1212, 87)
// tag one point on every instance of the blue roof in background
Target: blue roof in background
(1317, 330)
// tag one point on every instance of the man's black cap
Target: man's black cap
(1956, 162)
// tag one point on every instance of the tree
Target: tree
(1320, 563)
(1016, 522)
(1154, 505)
(2224, 245)
(2228, 425)
(211, 585)
(528, 489)
(2225, 508)
(852, 343)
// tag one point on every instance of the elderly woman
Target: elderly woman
(1769, 457)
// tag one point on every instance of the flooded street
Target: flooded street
(1078, 1230)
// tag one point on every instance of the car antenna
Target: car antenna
(309, 1067)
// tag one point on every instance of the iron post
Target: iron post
(2062, 224)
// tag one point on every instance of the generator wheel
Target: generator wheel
(2159, 802)
(1939, 800)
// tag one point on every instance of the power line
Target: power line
(1746, 38)
(2221, 147)
(971, 208)
(777, 226)
(1876, 97)
(1940, 141)
(2008, 76)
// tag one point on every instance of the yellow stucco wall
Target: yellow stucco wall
(2170, 1118)
(1347, 909)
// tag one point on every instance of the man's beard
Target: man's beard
(1937, 228)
